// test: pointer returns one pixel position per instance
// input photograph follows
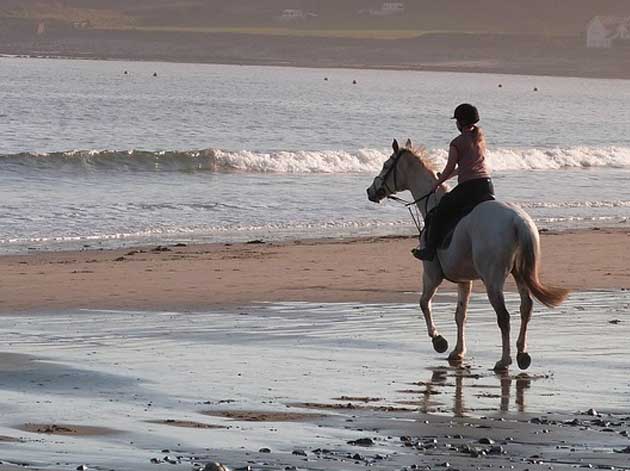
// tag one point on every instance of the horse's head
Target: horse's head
(402, 171)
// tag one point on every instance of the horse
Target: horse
(494, 240)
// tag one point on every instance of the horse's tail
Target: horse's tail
(526, 265)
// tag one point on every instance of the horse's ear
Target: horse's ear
(408, 144)
(395, 146)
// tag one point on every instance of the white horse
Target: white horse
(492, 241)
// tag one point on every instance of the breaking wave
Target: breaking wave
(301, 162)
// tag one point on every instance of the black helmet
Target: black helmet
(466, 114)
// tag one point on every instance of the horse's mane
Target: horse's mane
(421, 153)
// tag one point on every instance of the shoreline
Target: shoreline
(343, 66)
(458, 52)
(200, 276)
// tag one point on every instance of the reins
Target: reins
(409, 204)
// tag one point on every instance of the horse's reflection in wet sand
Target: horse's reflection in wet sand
(462, 378)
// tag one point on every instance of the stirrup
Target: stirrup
(423, 254)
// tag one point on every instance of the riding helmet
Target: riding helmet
(466, 114)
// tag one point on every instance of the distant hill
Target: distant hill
(549, 17)
(534, 37)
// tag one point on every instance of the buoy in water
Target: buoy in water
(155, 74)
(535, 89)
(354, 82)
(500, 85)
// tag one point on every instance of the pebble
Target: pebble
(82, 467)
(486, 441)
(592, 412)
(215, 467)
(475, 453)
(299, 453)
(264, 450)
(362, 442)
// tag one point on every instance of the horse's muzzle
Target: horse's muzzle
(375, 196)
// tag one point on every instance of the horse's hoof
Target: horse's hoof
(440, 344)
(524, 360)
(502, 366)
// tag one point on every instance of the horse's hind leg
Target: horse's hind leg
(495, 295)
(429, 287)
(463, 291)
(522, 357)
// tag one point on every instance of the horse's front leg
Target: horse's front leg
(463, 292)
(430, 283)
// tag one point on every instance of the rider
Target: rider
(466, 159)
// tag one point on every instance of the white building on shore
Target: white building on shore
(604, 31)
(294, 14)
(387, 9)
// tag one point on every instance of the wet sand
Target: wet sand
(202, 276)
(321, 386)
(304, 355)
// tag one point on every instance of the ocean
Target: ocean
(108, 154)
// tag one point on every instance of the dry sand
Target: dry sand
(200, 276)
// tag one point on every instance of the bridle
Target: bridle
(408, 204)
(391, 168)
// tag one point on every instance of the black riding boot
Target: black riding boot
(427, 253)
(430, 242)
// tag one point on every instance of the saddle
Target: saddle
(449, 224)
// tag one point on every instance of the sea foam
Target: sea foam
(303, 161)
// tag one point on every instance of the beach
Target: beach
(305, 355)
(192, 273)
(194, 277)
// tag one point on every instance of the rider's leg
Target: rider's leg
(435, 230)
